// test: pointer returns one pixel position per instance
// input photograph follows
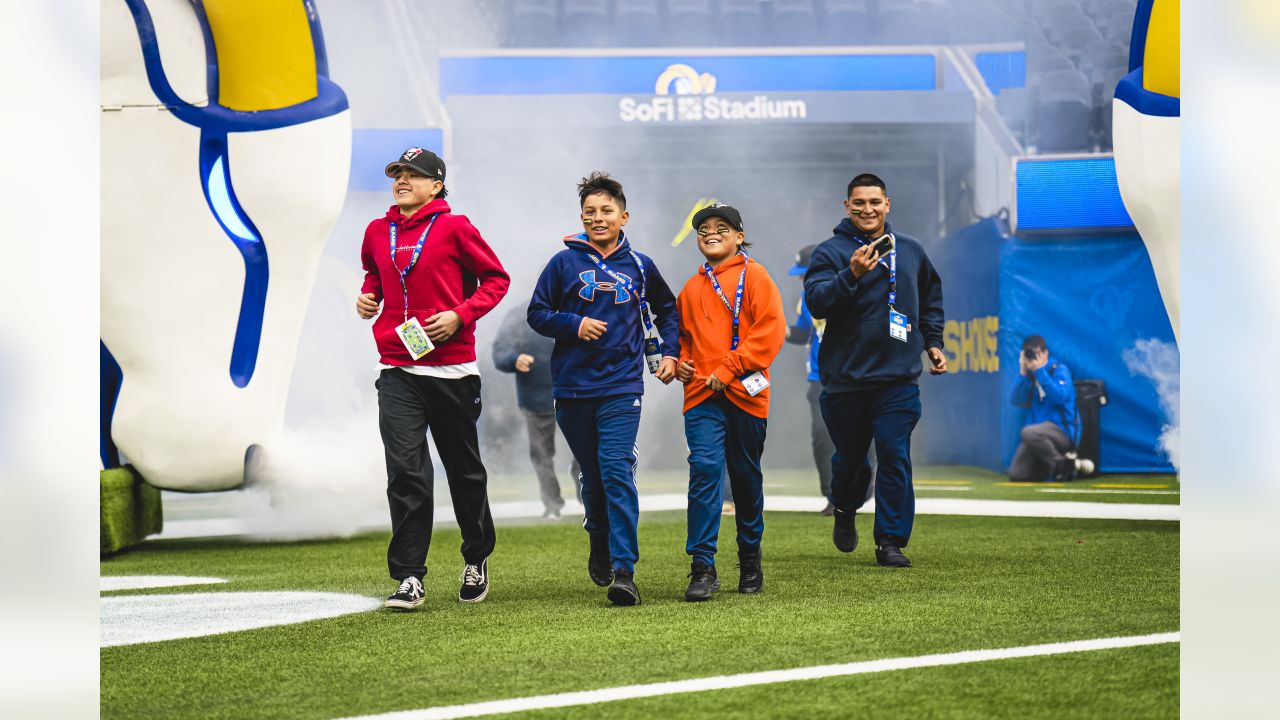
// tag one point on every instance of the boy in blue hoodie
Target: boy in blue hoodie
(882, 300)
(610, 313)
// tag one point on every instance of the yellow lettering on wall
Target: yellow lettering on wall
(972, 345)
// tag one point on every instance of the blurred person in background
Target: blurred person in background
(520, 350)
(808, 332)
(882, 300)
(1051, 430)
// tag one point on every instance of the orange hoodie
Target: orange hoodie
(706, 331)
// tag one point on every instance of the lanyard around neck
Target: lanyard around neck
(413, 260)
(628, 286)
(736, 307)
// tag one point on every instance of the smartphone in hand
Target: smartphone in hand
(882, 246)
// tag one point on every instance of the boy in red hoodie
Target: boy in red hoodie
(731, 327)
(435, 276)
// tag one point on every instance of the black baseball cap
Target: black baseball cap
(423, 162)
(720, 210)
(802, 260)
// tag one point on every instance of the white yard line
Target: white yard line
(524, 510)
(1104, 491)
(107, 583)
(132, 619)
(724, 682)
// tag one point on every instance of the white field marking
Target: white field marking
(527, 510)
(724, 682)
(1099, 491)
(131, 619)
(107, 583)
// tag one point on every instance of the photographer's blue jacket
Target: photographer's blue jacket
(573, 287)
(1050, 395)
(856, 351)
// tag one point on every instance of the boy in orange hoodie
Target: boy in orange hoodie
(731, 327)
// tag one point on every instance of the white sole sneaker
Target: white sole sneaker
(477, 599)
(403, 604)
(1084, 466)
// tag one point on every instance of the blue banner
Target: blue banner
(1093, 299)
(962, 413)
(1068, 193)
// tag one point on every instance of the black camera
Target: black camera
(1030, 353)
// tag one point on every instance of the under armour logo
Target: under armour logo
(589, 287)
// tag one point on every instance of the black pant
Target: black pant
(1043, 447)
(820, 439)
(542, 453)
(407, 406)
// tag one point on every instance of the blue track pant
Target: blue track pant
(601, 432)
(719, 433)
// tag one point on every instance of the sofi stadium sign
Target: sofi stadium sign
(683, 95)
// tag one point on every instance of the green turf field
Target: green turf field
(978, 583)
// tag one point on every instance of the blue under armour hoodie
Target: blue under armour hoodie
(572, 287)
(857, 352)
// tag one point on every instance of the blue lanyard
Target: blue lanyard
(417, 251)
(736, 307)
(626, 284)
(893, 272)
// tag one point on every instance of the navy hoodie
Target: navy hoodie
(857, 352)
(516, 338)
(573, 287)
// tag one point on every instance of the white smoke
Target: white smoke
(325, 474)
(1158, 361)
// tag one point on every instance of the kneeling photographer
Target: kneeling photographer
(1051, 430)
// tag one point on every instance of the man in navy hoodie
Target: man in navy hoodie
(882, 301)
(605, 305)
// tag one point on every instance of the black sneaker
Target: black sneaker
(1064, 470)
(475, 582)
(844, 534)
(891, 556)
(750, 576)
(598, 563)
(408, 596)
(702, 582)
(623, 589)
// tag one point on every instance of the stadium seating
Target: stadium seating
(794, 22)
(638, 23)
(1066, 117)
(690, 23)
(533, 23)
(847, 22)
(585, 23)
(742, 22)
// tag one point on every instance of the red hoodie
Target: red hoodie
(456, 271)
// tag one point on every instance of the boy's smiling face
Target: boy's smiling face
(718, 241)
(603, 218)
(412, 191)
